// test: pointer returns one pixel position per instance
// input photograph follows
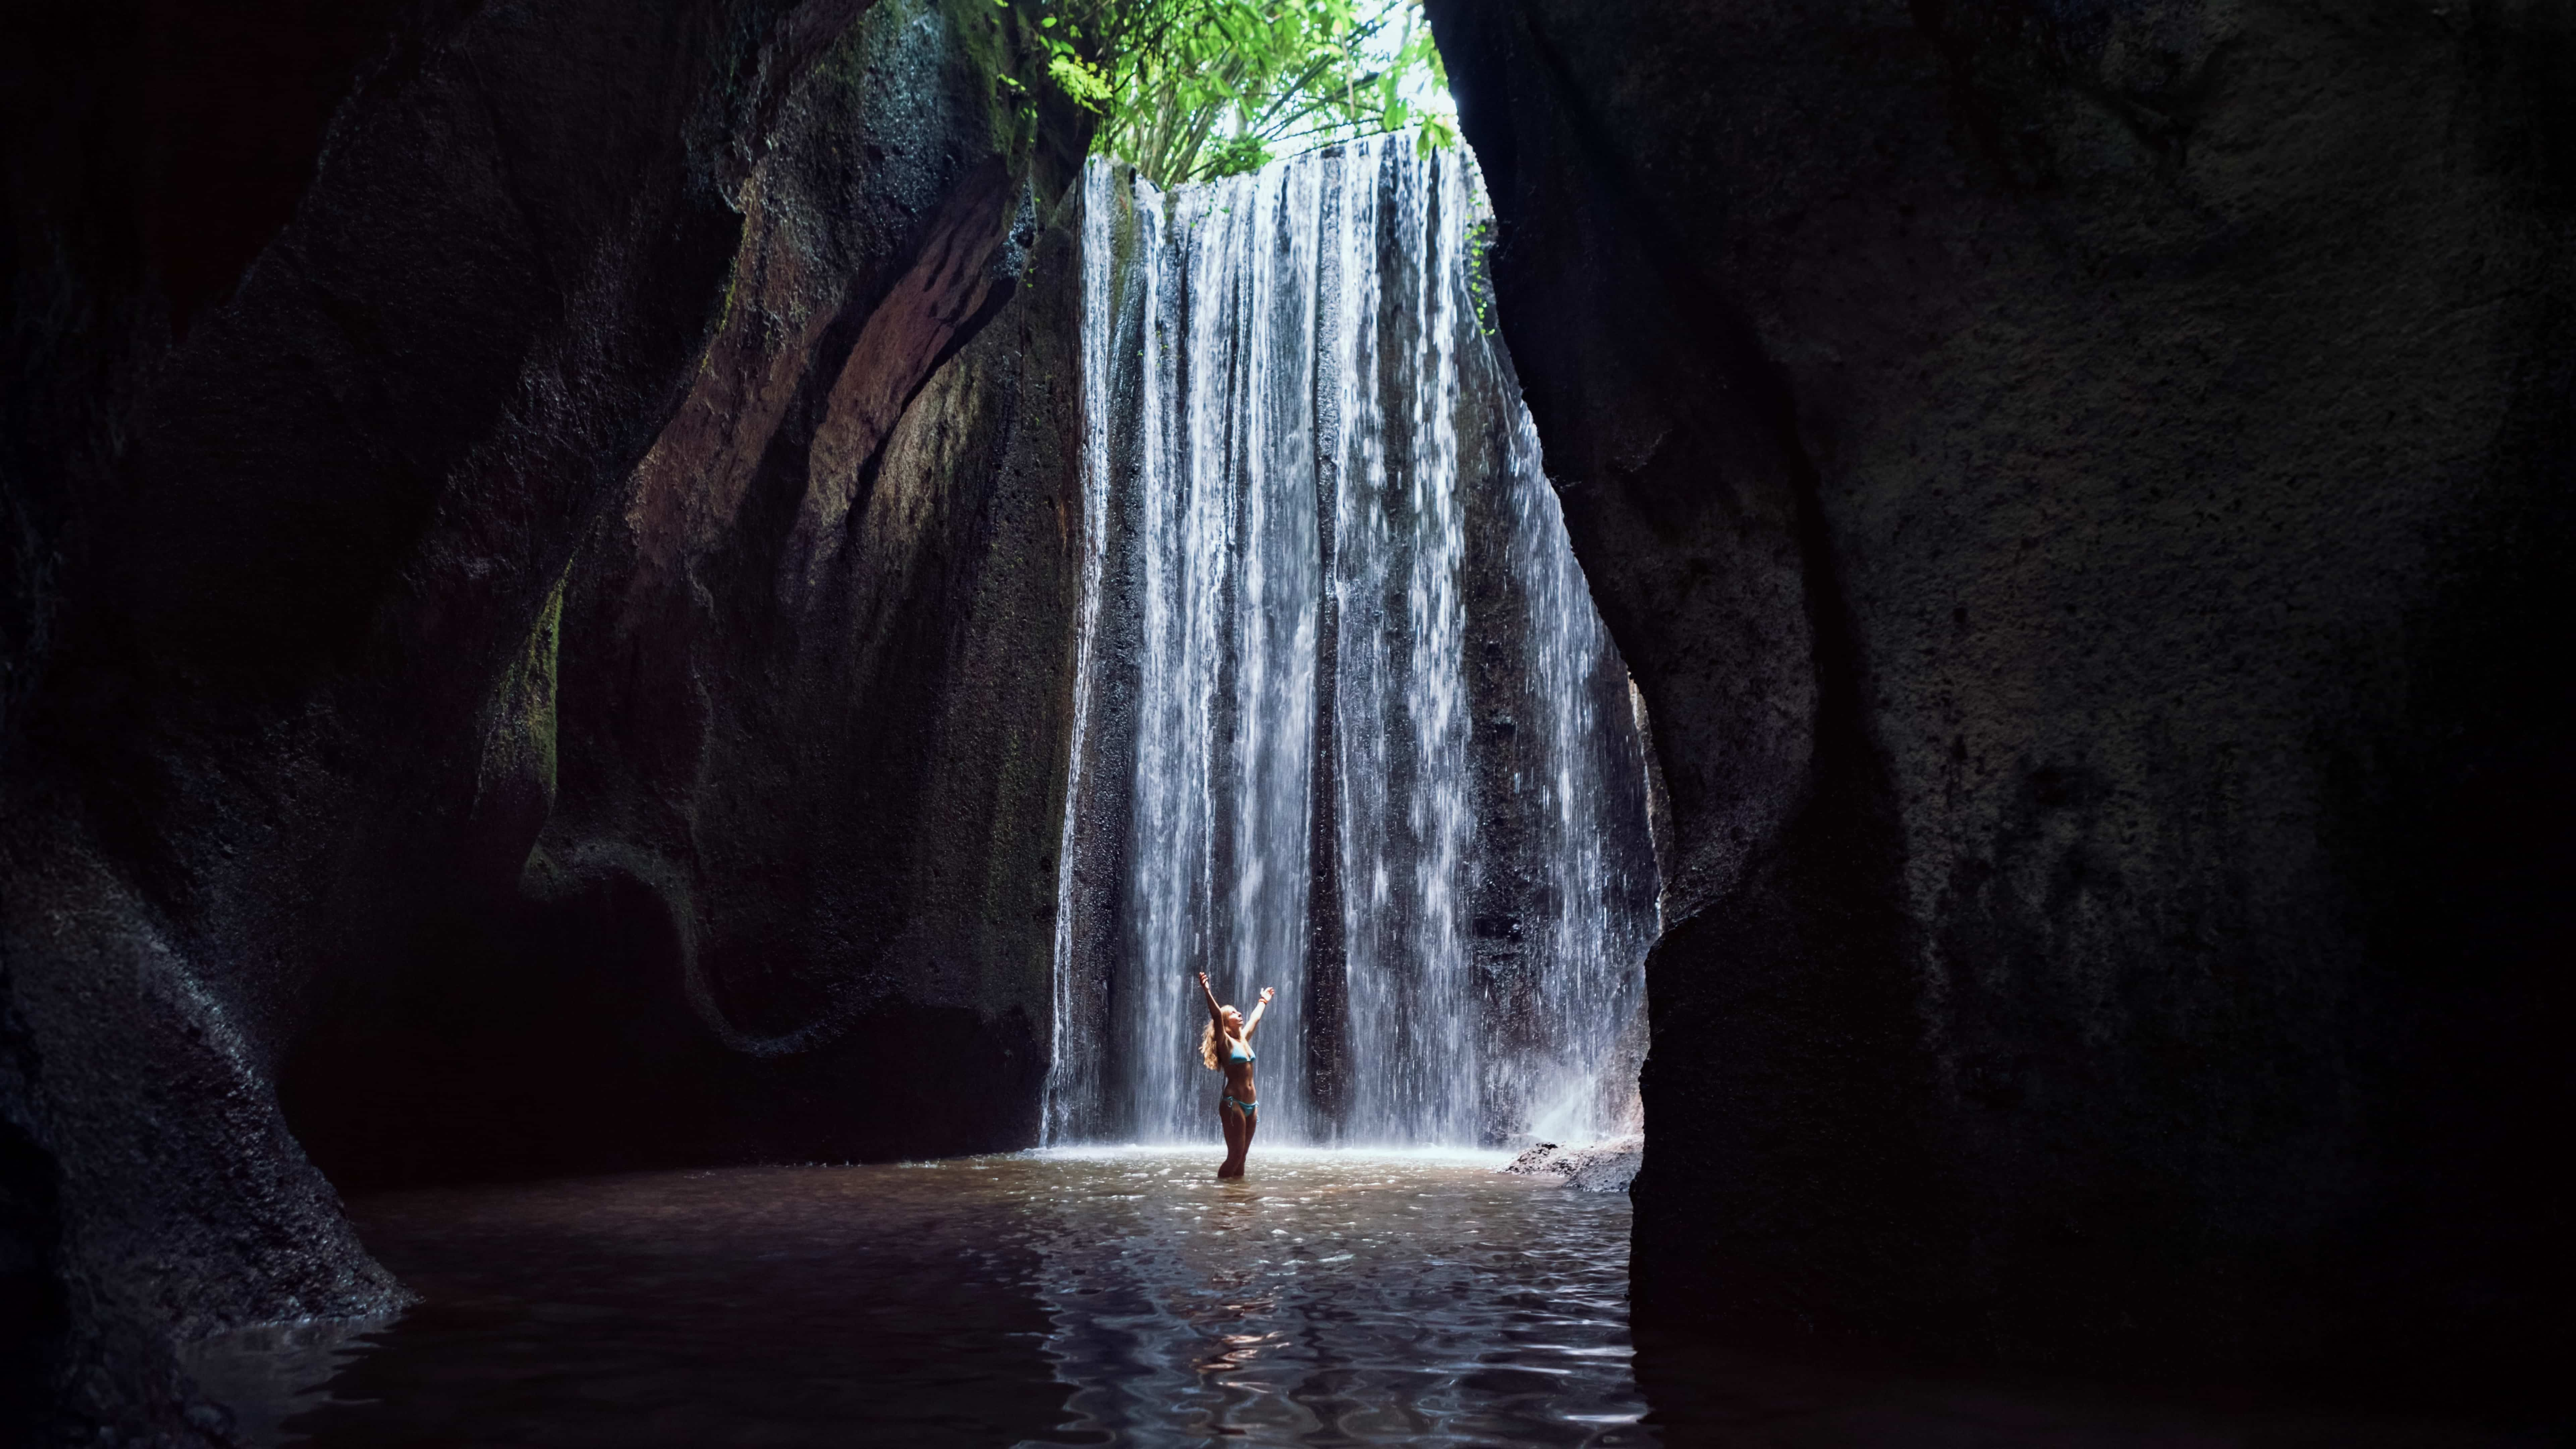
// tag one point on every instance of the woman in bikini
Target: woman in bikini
(1226, 1046)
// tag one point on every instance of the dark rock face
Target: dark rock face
(788, 741)
(333, 587)
(2075, 487)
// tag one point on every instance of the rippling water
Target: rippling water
(1338, 1299)
(1061, 1298)
(1098, 1298)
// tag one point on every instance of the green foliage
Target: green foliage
(1188, 90)
(1480, 274)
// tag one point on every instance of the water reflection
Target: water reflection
(1338, 1299)
(1087, 1298)
(1077, 1298)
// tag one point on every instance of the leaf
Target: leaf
(1084, 84)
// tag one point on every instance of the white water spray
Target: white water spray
(1283, 556)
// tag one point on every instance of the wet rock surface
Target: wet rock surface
(2075, 488)
(331, 565)
(1593, 1167)
(784, 842)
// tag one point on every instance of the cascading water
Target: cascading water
(1347, 724)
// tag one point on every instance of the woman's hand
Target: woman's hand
(1266, 994)
(1202, 980)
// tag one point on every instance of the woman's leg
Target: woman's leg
(1238, 1137)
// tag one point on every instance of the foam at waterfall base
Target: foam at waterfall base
(1102, 1152)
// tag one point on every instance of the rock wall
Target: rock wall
(430, 429)
(791, 771)
(2076, 488)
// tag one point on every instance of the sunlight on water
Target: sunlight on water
(1358, 1155)
(1414, 1297)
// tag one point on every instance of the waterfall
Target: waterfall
(1346, 723)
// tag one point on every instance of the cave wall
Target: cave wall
(347, 357)
(761, 853)
(2076, 487)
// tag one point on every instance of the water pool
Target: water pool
(1103, 1297)
(1081, 1297)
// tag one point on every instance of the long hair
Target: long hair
(1207, 1045)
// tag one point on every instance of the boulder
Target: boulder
(1605, 1166)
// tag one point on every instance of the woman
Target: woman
(1230, 1033)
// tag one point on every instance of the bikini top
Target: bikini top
(1244, 1055)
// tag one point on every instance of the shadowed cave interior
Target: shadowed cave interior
(636, 635)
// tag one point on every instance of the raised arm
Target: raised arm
(1209, 992)
(1255, 1019)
